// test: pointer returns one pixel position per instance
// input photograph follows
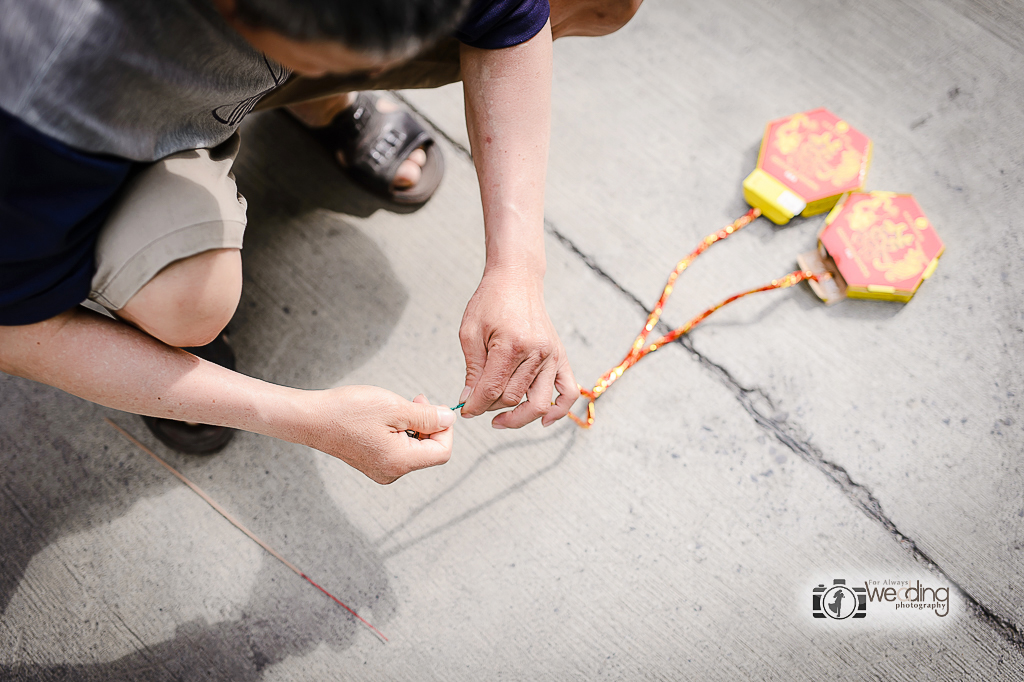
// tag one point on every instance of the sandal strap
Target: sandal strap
(374, 143)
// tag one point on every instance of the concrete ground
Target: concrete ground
(781, 446)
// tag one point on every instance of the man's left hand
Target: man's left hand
(512, 350)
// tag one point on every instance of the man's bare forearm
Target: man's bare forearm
(508, 114)
(512, 349)
(114, 364)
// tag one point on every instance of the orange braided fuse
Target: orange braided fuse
(641, 347)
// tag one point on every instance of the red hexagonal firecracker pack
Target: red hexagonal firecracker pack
(807, 161)
(876, 245)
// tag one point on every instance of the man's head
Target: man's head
(314, 37)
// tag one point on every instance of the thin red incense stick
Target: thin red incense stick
(641, 347)
(234, 522)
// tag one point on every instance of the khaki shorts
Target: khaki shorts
(187, 203)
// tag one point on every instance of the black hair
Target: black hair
(376, 26)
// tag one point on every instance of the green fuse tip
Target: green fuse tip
(457, 407)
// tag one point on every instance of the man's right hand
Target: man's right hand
(114, 364)
(366, 426)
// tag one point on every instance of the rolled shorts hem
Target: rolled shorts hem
(117, 290)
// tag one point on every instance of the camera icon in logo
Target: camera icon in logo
(839, 602)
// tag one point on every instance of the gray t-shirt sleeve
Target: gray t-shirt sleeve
(138, 79)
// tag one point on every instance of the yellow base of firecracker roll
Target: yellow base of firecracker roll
(777, 203)
(806, 162)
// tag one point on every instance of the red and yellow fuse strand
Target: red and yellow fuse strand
(641, 347)
(237, 524)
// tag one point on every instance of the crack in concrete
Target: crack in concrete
(859, 494)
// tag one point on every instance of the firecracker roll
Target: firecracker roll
(881, 244)
(807, 161)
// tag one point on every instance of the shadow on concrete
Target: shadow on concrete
(808, 302)
(490, 501)
(321, 298)
(300, 172)
(50, 488)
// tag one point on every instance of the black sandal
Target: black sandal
(375, 144)
(197, 439)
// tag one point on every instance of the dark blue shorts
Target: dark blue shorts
(53, 201)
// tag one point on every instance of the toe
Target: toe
(419, 157)
(408, 174)
(411, 169)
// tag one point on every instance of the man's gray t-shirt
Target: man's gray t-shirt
(139, 79)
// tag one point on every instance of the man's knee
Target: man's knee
(191, 300)
(590, 17)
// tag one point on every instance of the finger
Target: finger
(502, 362)
(428, 455)
(432, 451)
(537, 404)
(568, 392)
(421, 399)
(424, 418)
(445, 438)
(476, 357)
(519, 384)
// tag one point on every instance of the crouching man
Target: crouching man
(118, 129)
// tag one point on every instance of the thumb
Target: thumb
(425, 419)
(475, 350)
